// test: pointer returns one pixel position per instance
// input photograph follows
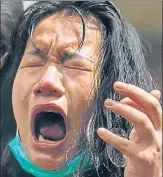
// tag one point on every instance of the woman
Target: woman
(65, 61)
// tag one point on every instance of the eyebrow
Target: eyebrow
(68, 55)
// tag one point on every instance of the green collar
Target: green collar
(16, 148)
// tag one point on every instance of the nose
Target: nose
(51, 83)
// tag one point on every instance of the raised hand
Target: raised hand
(143, 150)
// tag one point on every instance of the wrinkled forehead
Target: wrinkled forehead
(68, 28)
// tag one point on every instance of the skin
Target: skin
(48, 72)
(143, 150)
(51, 77)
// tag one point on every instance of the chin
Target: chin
(49, 157)
(46, 162)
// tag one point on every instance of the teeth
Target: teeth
(41, 138)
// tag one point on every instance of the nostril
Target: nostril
(53, 91)
(44, 87)
(38, 91)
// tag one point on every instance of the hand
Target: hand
(143, 150)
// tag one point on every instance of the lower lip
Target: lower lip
(48, 145)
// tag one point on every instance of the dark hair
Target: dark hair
(121, 59)
(10, 12)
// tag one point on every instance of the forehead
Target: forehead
(67, 28)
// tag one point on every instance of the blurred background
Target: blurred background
(146, 17)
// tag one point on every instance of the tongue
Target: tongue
(53, 132)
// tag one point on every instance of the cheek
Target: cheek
(22, 89)
(24, 83)
(79, 89)
(19, 101)
(80, 96)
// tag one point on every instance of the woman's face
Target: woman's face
(52, 91)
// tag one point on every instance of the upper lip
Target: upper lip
(45, 107)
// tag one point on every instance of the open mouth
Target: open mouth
(49, 126)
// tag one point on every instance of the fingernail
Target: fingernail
(101, 131)
(109, 102)
(120, 85)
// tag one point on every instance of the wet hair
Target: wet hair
(10, 12)
(121, 59)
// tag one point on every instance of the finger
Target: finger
(116, 141)
(140, 120)
(148, 102)
(128, 101)
(156, 94)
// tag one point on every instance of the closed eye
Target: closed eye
(35, 51)
(77, 68)
(33, 58)
(69, 56)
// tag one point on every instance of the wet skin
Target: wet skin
(55, 76)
